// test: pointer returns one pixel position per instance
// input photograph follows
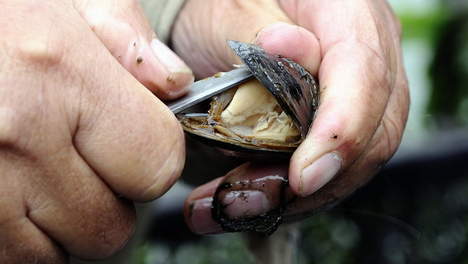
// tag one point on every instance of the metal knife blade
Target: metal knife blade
(206, 88)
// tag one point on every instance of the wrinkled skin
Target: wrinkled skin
(353, 47)
(80, 136)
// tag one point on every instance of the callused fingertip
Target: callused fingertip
(319, 173)
(199, 218)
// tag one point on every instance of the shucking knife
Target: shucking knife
(206, 88)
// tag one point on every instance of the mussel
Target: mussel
(266, 115)
(264, 118)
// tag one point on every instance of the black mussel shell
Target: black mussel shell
(294, 88)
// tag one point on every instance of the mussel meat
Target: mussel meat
(270, 113)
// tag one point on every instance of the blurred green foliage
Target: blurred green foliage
(225, 248)
(425, 25)
(449, 74)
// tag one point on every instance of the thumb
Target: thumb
(293, 42)
(203, 28)
(263, 22)
(123, 29)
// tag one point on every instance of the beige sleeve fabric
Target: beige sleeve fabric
(161, 14)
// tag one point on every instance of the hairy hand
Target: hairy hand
(80, 136)
(353, 47)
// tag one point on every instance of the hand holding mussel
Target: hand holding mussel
(260, 195)
(353, 50)
(265, 118)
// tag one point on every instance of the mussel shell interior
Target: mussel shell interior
(294, 88)
(197, 125)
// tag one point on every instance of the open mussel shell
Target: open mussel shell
(294, 87)
(295, 90)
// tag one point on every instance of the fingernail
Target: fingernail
(168, 58)
(179, 77)
(201, 221)
(244, 204)
(316, 175)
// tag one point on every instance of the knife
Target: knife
(206, 88)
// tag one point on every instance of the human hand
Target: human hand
(353, 47)
(79, 136)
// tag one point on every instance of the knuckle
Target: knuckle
(40, 44)
(31, 34)
(37, 50)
